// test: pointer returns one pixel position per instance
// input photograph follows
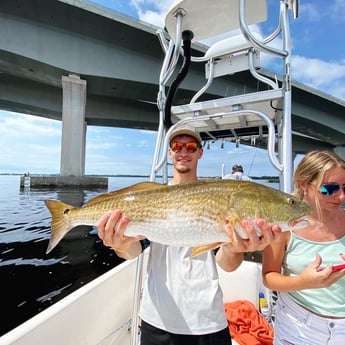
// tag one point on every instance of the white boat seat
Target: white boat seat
(230, 56)
(245, 283)
(230, 45)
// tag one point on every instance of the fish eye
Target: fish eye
(291, 201)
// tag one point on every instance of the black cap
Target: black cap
(237, 167)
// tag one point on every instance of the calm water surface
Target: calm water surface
(31, 280)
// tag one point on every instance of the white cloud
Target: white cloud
(323, 75)
(44, 149)
(317, 11)
(29, 143)
(336, 10)
(310, 12)
(32, 126)
(93, 145)
(152, 11)
(152, 18)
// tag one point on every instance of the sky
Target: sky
(33, 144)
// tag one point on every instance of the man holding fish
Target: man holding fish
(182, 301)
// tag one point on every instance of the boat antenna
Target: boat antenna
(253, 159)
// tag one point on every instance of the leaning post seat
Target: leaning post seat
(229, 56)
(230, 45)
(249, 115)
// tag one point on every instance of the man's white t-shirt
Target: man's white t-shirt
(181, 294)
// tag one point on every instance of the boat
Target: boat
(100, 312)
(105, 311)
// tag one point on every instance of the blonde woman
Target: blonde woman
(306, 266)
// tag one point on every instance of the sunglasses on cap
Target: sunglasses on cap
(328, 189)
(190, 147)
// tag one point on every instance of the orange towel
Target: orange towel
(247, 325)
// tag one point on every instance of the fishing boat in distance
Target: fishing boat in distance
(105, 311)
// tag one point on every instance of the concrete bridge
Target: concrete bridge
(79, 63)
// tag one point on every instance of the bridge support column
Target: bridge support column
(73, 126)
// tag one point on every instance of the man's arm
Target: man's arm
(227, 259)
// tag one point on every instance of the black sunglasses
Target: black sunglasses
(328, 189)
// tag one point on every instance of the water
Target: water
(31, 281)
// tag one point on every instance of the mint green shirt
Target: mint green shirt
(299, 254)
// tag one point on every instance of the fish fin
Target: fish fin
(235, 225)
(146, 186)
(60, 225)
(141, 186)
(202, 249)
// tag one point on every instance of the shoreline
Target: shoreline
(271, 179)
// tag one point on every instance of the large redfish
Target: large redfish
(192, 214)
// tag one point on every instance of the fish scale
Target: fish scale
(192, 214)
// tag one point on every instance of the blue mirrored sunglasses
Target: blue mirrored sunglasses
(328, 189)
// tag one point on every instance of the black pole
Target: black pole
(187, 37)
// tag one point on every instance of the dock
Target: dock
(57, 181)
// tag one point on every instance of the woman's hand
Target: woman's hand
(315, 277)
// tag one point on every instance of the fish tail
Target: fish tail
(60, 224)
